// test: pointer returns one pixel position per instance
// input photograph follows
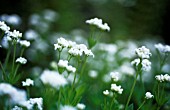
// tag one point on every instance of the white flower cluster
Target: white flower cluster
(64, 64)
(148, 95)
(67, 107)
(29, 104)
(24, 43)
(21, 60)
(53, 78)
(162, 48)
(162, 78)
(81, 106)
(17, 108)
(74, 49)
(4, 27)
(28, 82)
(16, 96)
(143, 54)
(98, 22)
(116, 88)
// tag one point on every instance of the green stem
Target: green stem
(7, 58)
(59, 98)
(131, 92)
(105, 103)
(141, 104)
(113, 99)
(3, 71)
(13, 62)
(28, 92)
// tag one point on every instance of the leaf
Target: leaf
(130, 107)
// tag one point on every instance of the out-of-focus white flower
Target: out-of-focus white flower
(21, 60)
(63, 63)
(17, 108)
(106, 92)
(4, 27)
(53, 78)
(67, 107)
(71, 68)
(93, 73)
(115, 76)
(49, 15)
(148, 95)
(0, 46)
(98, 22)
(143, 52)
(15, 95)
(24, 43)
(71, 44)
(28, 82)
(81, 106)
(32, 102)
(116, 88)
(63, 42)
(110, 48)
(162, 78)
(31, 34)
(146, 65)
(162, 48)
(57, 47)
(11, 19)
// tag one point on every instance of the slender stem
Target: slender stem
(28, 92)
(14, 53)
(3, 71)
(105, 103)
(59, 98)
(7, 58)
(113, 99)
(16, 70)
(141, 104)
(131, 92)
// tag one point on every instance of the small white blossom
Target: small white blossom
(146, 65)
(24, 43)
(116, 88)
(4, 27)
(17, 108)
(98, 22)
(162, 48)
(81, 106)
(63, 63)
(67, 107)
(162, 78)
(53, 78)
(71, 44)
(57, 47)
(106, 92)
(114, 76)
(148, 95)
(71, 68)
(135, 62)
(29, 104)
(143, 52)
(93, 73)
(28, 82)
(63, 42)
(15, 34)
(21, 60)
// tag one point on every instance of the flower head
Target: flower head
(28, 82)
(21, 60)
(162, 48)
(143, 52)
(148, 95)
(4, 27)
(116, 88)
(67, 107)
(81, 106)
(63, 63)
(24, 43)
(162, 78)
(106, 92)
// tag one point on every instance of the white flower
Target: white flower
(24, 43)
(0, 46)
(57, 47)
(28, 82)
(114, 76)
(135, 62)
(162, 48)
(143, 52)
(67, 107)
(162, 78)
(17, 108)
(148, 95)
(15, 34)
(63, 63)
(71, 44)
(32, 102)
(146, 65)
(21, 60)
(81, 106)
(15, 95)
(53, 78)
(93, 73)
(63, 42)
(31, 35)
(98, 22)
(106, 92)
(116, 88)
(4, 27)
(71, 68)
